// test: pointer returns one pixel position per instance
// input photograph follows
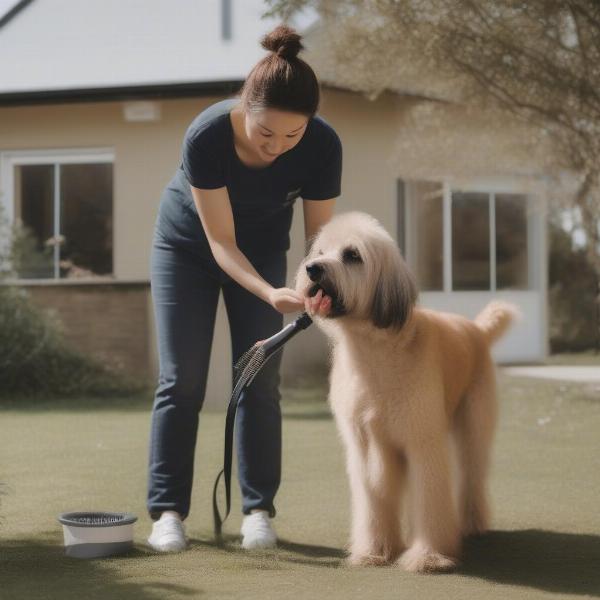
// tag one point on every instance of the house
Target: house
(95, 98)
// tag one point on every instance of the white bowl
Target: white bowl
(97, 534)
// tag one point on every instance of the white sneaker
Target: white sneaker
(257, 531)
(168, 534)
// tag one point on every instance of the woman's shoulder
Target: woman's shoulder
(321, 133)
(211, 123)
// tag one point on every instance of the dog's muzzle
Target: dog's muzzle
(316, 273)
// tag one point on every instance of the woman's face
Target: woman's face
(272, 132)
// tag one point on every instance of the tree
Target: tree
(538, 60)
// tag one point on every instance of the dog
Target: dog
(405, 382)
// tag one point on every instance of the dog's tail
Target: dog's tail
(496, 318)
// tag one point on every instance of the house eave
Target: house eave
(164, 91)
(120, 93)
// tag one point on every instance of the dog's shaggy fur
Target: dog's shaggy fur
(405, 383)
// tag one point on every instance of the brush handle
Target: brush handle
(275, 342)
(271, 345)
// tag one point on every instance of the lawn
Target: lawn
(57, 457)
(588, 358)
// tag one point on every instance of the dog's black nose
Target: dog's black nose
(315, 271)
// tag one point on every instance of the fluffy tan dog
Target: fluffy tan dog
(404, 383)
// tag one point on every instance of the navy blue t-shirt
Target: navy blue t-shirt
(262, 198)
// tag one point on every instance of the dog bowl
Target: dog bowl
(97, 534)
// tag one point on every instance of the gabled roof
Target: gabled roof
(9, 8)
(88, 49)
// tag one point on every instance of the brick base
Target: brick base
(108, 321)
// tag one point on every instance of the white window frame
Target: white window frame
(490, 187)
(14, 158)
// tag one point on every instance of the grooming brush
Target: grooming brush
(245, 370)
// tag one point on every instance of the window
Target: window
(429, 232)
(511, 241)
(463, 240)
(470, 241)
(65, 207)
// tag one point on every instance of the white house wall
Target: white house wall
(526, 339)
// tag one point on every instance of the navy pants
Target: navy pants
(185, 290)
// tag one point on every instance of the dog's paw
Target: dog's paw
(368, 560)
(418, 559)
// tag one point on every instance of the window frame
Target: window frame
(56, 157)
(490, 187)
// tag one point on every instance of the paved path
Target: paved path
(586, 374)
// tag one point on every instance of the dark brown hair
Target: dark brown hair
(281, 80)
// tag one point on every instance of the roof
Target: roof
(61, 48)
(68, 51)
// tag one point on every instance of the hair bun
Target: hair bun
(283, 41)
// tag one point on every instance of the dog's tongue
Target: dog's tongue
(314, 290)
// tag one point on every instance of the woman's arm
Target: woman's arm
(214, 210)
(316, 214)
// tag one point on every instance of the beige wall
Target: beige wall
(377, 138)
(147, 154)
(368, 131)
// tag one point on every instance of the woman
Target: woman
(245, 161)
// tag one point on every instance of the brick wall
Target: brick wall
(109, 321)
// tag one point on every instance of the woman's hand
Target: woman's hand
(286, 300)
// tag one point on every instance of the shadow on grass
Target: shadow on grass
(309, 415)
(545, 560)
(38, 568)
(133, 403)
(142, 401)
(307, 554)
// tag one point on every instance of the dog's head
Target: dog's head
(358, 265)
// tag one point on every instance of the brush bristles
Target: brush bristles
(240, 365)
(249, 364)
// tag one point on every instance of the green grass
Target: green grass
(588, 358)
(60, 457)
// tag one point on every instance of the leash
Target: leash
(246, 370)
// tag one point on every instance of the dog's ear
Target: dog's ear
(394, 298)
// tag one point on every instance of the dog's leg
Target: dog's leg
(376, 483)
(435, 544)
(474, 428)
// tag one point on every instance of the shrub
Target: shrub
(572, 290)
(35, 359)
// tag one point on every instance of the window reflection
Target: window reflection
(470, 241)
(79, 242)
(429, 221)
(511, 241)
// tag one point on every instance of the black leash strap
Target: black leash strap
(241, 381)
(226, 470)
(251, 367)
